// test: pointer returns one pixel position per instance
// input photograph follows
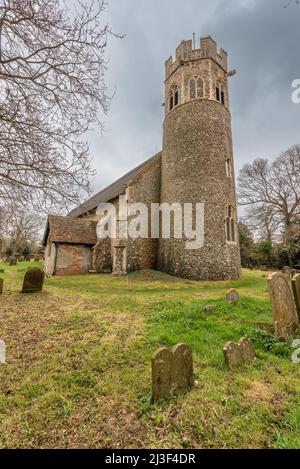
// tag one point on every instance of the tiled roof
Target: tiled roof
(70, 230)
(112, 191)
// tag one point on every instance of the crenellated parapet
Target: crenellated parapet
(186, 53)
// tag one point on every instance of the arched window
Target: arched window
(230, 225)
(196, 88)
(220, 92)
(228, 167)
(174, 97)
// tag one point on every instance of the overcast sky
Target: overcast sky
(262, 39)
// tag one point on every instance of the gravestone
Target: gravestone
(283, 309)
(13, 262)
(209, 308)
(33, 281)
(161, 374)
(2, 352)
(296, 291)
(1, 285)
(172, 371)
(232, 296)
(287, 271)
(238, 353)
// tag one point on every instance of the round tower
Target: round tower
(197, 162)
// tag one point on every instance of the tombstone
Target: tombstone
(13, 262)
(2, 352)
(161, 374)
(172, 371)
(1, 285)
(287, 271)
(209, 308)
(232, 296)
(238, 353)
(284, 312)
(33, 281)
(296, 291)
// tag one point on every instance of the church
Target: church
(195, 166)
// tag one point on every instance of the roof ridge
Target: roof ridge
(112, 190)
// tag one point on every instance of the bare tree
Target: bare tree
(271, 193)
(52, 66)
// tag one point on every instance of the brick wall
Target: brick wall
(73, 259)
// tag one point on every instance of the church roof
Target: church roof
(70, 230)
(113, 190)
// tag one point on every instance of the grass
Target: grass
(78, 365)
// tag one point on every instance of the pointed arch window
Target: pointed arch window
(220, 93)
(196, 88)
(230, 225)
(228, 167)
(174, 97)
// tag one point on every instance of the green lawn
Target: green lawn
(78, 365)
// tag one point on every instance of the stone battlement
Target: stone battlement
(186, 53)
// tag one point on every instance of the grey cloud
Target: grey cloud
(262, 40)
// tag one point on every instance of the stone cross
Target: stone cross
(283, 308)
(172, 371)
(33, 280)
(232, 296)
(296, 290)
(1, 285)
(236, 354)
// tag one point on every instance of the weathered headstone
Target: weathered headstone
(209, 308)
(287, 271)
(13, 262)
(1, 285)
(33, 281)
(161, 374)
(232, 296)
(238, 353)
(283, 309)
(296, 291)
(172, 371)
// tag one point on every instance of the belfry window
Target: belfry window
(174, 97)
(230, 225)
(196, 88)
(218, 93)
(228, 167)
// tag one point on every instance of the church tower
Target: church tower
(197, 161)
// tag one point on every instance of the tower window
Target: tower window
(222, 97)
(230, 225)
(174, 97)
(217, 93)
(196, 88)
(228, 167)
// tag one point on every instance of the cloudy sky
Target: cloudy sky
(262, 38)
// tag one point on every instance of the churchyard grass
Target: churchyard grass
(78, 364)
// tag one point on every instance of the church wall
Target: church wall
(73, 259)
(142, 253)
